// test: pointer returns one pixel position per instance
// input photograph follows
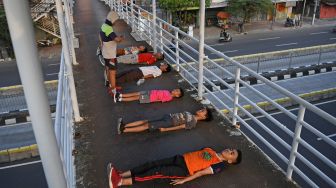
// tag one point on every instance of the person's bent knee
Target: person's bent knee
(111, 64)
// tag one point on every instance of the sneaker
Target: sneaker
(116, 97)
(119, 125)
(113, 176)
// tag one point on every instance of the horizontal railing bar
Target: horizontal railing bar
(318, 133)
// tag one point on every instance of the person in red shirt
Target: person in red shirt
(143, 58)
(190, 166)
(150, 96)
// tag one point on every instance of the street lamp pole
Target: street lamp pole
(201, 49)
(303, 10)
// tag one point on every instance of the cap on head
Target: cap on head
(112, 16)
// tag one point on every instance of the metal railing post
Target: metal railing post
(126, 6)
(23, 39)
(177, 52)
(154, 25)
(70, 31)
(236, 97)
(139, 20)
(132, 16)
(161, 37)
(201, 49)
(295, 144)
(65, 47)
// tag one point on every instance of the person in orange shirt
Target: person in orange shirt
(190, 166)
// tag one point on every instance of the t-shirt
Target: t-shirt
(160, 96)
(202, 159)
(184, 118)
(147, 58)
(109, 48)
(151, 70)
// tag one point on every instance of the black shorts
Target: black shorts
(111, 63)
(163, 122)
(129, 76)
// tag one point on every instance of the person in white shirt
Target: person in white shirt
(143, 73)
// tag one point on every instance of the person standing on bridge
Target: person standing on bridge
(108, 43)
(168, 122)
(179, 169)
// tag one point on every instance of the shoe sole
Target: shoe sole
(119, 125)
(109, 174)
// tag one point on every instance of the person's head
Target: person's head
(112, 16)
(165, 67)
(177, 93)
(231, 156)
(204, 114)
(142, 48)
(159, 56)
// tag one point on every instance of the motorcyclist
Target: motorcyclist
(223, 34)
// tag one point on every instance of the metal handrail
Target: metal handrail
(162, 41)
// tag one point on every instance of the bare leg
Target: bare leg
(140, 128)
(126, 181)
(136, 123)
(128, 99)
(126, 174)
(112, 78)
(126, 95)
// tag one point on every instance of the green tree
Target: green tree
(179, 9)
(4, 32)
(247, 9)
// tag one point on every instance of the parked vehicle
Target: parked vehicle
(44, 43)
(289, 22)
(334, 29)
(225, 36)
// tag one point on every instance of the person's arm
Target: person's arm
(148, 76)
(118, 38)
(173, 128)
(198, 174)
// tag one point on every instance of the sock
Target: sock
(114, 91)
(120, 99)
(120, 183)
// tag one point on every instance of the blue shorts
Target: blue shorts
(163, 122)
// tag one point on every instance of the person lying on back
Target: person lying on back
(150, 96)
(142, 58)
(131, 50)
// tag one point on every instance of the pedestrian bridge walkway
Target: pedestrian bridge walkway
(96, 139)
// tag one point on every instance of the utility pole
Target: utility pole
(315, 7)
(303, 10)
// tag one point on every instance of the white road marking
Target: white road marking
(225, 52)
(18, 165)
(269, 38)
(332, 135)
(51, 74)
(288, 44)
(332, 38)
(318, 33)
(54, 64)
(219, 44)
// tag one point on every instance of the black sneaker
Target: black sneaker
(116, 97)
(119, 125)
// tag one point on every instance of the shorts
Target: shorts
(130, 75)
(111, 63)
(163, 122)
(144, 97)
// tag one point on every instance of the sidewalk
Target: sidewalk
(97, 142)
(262, 27)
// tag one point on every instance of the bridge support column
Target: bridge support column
(23, 39)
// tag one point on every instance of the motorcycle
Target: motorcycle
(289, 22)
(225, 37)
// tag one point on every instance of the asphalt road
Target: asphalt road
(9, 73)
(324, 148)
(241, 45)
(26, 173)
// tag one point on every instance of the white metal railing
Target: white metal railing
(169, 41)
(64, 124)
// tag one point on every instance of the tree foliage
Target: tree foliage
(179, 9)
(4, 31)
(247, 9)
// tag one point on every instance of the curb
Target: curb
(286, 101)
(14, 154)
(20, 116)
